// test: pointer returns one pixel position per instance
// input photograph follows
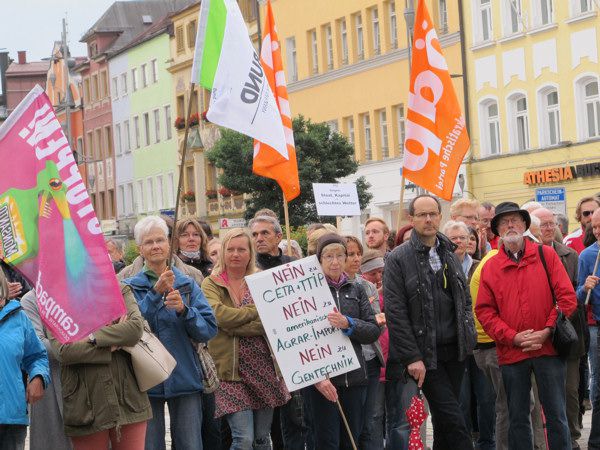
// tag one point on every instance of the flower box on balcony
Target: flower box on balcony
(211, 194)
(180, 123)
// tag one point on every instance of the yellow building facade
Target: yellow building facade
(347, 64)
(533, 76)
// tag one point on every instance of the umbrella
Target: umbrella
(416, 415)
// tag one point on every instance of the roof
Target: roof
(155, 30)
(125, 19)
(32, 68)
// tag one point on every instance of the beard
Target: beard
(512, 239)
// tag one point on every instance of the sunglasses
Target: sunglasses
(587, 213)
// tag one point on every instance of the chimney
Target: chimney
(22, 57)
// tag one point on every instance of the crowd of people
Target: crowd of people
(462, 310)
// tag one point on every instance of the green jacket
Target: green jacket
(233, 322)
(99, 388)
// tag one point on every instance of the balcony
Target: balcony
(234, 204)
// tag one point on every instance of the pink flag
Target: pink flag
(48, 228)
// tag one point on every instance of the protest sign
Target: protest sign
(336, 199)
(293, 301)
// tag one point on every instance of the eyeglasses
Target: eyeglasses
(548, 225)
(587, 213)
(425, 215)
(459, 238)
(472, 217)
(330, 258)
(511, 221)
(152, 242)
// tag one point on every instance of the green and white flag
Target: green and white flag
(226, 63)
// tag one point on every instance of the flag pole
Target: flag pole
(339, 405)
(181, 169)
(286, 215)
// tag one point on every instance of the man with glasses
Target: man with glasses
(430, 321)
(486, 212)
(569, 259)
(516, 309)
(583, 213)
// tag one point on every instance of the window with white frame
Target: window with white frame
(350, 129)
(483, 20)
(160, 192)
(118, 141)
(151, 195)
(144, 70)
(375, 29)
(581, 7)
(127, 140)
(156, 114)
(171, 189)
(130, 203)
(168, 124)
(344, 40)
(292, 64)
(115, 88)
(314, 51)
(333, 126)
(146, 129)
(591, 102)
(134, 80)
(549, 116)
(512, 17)
(360, 42)
(136, 129)
(383, 131)
(393, 24)
(367, 136)
(329, 45)
(443, 15)
(121, 200)
(490, 128)
(123, 84)
(139, 207)
(154, 71)
(519, 123)
(400, 126)
(543, 12)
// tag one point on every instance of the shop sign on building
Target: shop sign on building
(226, 222)
(555, 199)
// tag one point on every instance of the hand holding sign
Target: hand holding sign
(338, 320)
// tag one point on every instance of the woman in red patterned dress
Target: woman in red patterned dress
(250, 386)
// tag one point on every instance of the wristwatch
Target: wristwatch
(92, 339)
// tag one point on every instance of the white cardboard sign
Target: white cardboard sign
(293, 301)
(336, 199)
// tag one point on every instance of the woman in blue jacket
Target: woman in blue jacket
(20, 349)
(179, 316)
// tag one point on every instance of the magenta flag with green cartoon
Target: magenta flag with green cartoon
(48, 228)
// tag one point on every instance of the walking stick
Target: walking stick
(587, 298)
(339, 405)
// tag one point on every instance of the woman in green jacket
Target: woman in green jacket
(102, 402)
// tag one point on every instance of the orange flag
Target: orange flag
(267, 161)
(436, 137)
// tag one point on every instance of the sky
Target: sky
(34, 25)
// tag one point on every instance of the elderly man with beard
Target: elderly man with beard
(516, 309)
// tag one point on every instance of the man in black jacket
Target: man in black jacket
(430, 321)
(266, 234)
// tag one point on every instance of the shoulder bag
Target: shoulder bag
(564, 336)
(210, 379)
(152, 363)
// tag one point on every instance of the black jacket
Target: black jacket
(409, 303)
(264, 261)
(352, 301)
(203, 265)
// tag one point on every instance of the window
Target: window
(127, 140)
(168, 124)
(146, 129)
(108, 141)
(490, 128)
(393, 25)
(154, 71)
(191, 34)
(104, 84)
(329, 46)
(581, 6)
(550, 117)
(360, 43)
(115, 88)
(350, 129)
(150, 197)
(344, 41)
(519, 126)
(144, 70)
(94, 87)
(87, 93)
(545, 12)
(511, 17)
(118, 142)
(160, 201)
(156, 113)
(140, 196)
(292, 65)
(314, 51)
(124, 84)
(89, 145)
(134, 80)
(171, 189)
(443, 13)
(136, 129)
(367, 130)
(375, 28)
(121, 200)
(484, 20)
(592, 109)
(98, 146)
(333, 126)
(385, 151)
(180, 45)
(400, 126)
(130, 203)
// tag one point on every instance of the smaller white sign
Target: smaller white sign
(336, 199)
(554, 199)
(225, 222)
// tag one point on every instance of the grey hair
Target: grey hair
(146, 224)
(535, 220)
(531, 206)
(272, 220)
(563, 220)
(118, 244)
(454, 224)
(3, 286)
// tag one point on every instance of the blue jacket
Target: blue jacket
(175, 332)
(20, 349)
(587, 259)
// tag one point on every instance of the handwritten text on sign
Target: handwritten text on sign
(293, 301)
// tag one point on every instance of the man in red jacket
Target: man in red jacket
(515, 308)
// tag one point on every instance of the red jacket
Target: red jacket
(515, 297)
